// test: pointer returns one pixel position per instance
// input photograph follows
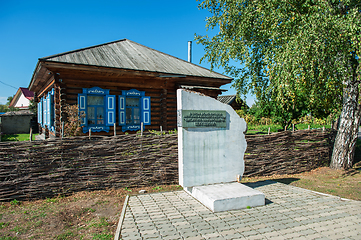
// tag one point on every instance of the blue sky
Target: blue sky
(33, 29)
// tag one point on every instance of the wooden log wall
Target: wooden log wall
(162, 93)
(47, 168)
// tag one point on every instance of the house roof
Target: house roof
(227, 99)
(126, 54)
(17, 113)
(26, 92)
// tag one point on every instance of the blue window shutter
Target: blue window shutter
(44, 112)
(40, 112)
(51, 110)
(145, 110)
(82, 105)
(48, 105)
(122, 110)
(110, 110)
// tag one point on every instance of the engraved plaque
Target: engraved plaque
(202, 118)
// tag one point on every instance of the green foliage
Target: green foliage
(51, 200)
(15, 202)
(155, 132)
(33, 107)
(3, 108)
(10, 109)
(294, 56)
(9, 99)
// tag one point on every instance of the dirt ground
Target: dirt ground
(345, 184)
(84, 215)
(95, 215)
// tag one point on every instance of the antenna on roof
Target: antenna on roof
(190, 51)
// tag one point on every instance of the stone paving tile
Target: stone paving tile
(289, 213)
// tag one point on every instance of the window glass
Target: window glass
(136, 116)
(91, 115)
(95, 100)
(132, 102)
(100, 115)
(132, 110)
(129, 115)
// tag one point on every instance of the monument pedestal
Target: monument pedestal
(211, 147)
(228, 196)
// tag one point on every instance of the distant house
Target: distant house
(122, 84)
(22, 99)
(231, 100)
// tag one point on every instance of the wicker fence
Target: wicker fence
(42, 169)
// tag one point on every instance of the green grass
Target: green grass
(16, 137)
(102, 236)
(263, 129)
(66, 235)
(4, 225)
(8, 238)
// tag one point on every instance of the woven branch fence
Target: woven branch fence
(40, 169)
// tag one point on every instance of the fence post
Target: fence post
(90, 133)
(31, 135)
(161, 130)
(293, 127)
(308, 127)
(62, 130)
(115, 130)
(269, 130)
(141, 129)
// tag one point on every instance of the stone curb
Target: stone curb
(121, 219)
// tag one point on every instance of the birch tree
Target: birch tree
(293, 48)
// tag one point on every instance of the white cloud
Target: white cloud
(3, 100)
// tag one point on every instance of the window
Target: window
(97, 109)
(132, 105)
(134, 109)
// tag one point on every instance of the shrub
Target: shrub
(72, 127)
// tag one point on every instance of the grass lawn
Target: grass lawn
(263, 129)
(16, 137)
(94, 215)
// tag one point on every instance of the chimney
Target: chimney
(190, 51)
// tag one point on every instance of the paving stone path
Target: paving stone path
(289, 213)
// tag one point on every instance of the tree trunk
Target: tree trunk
(345, 142)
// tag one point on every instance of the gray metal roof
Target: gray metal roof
(227, 99)
(126, 54)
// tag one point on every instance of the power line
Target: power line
(8, 85)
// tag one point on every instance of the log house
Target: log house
(114, 83)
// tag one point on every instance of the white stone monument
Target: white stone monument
(211, 146)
